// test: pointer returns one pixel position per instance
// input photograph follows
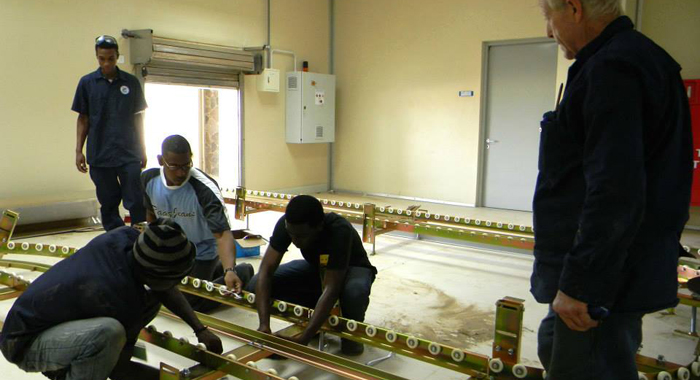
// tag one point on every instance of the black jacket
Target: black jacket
(615, 171)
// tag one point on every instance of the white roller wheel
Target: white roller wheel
(427, 215)
(510, 226)
(496, 365)
(695, 368)
(39, 247)
(371, 331)
(255, 192)
(523, 228)
(520, 371)
(311, 313)
(223, 291)
(390, 336)
(52, 248)
(683, 374)
(391, 210)
(25, 246)
(209, 286)
(268, 194)
(437, 216)
(272, 371)
(333, 320)
(201, 346)
(457, 355)
(293, 378)
(298, 311)
(196, 283)
(184, 341)
(499, 225)
(65, 250)
(435, 348)
(184, 280)
(250, 298)
(643, 376)
(231, 357)
(381, 209)
(152, 328)
(282, 306)
(467, 220)
(488, 223)
(251, 364)
(412, 342)
(663, 375)
(332, 203)
(10, 245)
(351, 325)
(167, 334)
(341, 204)
(477, 222)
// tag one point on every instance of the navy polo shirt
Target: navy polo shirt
(112, 138)
(96, 281)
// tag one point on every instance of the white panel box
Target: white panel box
(269, 80)
(310, 108)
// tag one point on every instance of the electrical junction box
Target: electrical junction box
(310, 108)
(269, 80)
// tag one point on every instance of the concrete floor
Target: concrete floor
(437, 291)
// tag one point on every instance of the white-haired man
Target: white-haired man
(612, 194)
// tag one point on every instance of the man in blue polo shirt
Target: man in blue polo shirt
(111, 104)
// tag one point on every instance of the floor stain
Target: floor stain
(441, 318)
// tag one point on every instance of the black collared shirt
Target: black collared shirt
(615, 170)
(111, 107)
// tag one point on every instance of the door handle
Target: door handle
(489, 141)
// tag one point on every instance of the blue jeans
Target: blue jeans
(606, 352)
(114, 184)
(299, 283)
(87, 349)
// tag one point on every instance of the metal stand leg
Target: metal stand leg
(321, 341)
(693, 324)
(379, 360)
(247, 222)
(374, 241)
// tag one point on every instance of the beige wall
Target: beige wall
(301, 26)
(675, 26)
(401, 128)
(47, 45)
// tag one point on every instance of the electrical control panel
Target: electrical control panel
(310, 108)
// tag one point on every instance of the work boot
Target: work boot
(245, 272)
(351, 348)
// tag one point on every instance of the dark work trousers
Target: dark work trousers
(606, 352)
(211, 270)
(299, 283)
(114, 184)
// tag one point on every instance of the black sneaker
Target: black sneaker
(245, 272)
(351, 348)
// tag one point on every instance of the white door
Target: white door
(520, 87)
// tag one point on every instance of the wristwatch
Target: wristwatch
(231, 269)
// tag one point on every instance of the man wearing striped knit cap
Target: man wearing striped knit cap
(81, 319)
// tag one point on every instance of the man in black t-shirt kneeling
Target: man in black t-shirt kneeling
(335, 266)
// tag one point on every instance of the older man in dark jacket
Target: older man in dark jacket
(612, 194)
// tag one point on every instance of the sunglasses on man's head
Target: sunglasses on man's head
(105, 40)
